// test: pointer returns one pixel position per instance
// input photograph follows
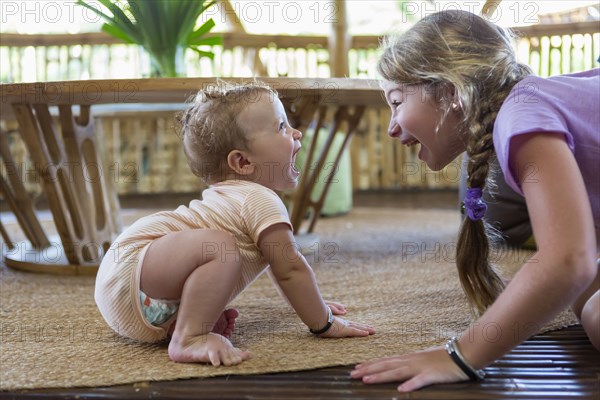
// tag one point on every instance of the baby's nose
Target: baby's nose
(297, 134)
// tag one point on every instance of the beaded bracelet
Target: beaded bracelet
(452, 348)
(328, 325)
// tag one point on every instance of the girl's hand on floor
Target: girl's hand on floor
(417, 369)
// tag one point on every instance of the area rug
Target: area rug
(392, 268)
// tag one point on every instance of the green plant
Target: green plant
(164, 28)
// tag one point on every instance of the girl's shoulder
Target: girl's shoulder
(590, 73)
(557, 84)
(565, 104)
(554, 92)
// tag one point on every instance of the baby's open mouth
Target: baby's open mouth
(294, 166)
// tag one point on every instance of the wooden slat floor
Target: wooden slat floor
(556, 365)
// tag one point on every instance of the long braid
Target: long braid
(481, 283)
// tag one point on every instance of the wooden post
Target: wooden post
(339, 41)
(490, 7)
(232, 20)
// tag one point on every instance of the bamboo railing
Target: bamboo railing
(143, 150)
(551, 48)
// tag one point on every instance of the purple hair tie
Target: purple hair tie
(474, 204)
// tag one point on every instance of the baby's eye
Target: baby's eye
(395, 103)
(281, 125)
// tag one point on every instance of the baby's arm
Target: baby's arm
(336, 308)
(297, 281)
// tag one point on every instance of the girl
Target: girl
(172, 273)
(453, 84)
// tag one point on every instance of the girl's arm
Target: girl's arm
(549, 282)
(297, 281)
(564, 265)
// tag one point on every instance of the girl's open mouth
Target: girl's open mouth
(411, 142)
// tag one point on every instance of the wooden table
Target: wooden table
(82, 199)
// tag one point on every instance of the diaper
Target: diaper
(157, 311)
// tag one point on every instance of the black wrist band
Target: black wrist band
(459, 360)
(328, 325)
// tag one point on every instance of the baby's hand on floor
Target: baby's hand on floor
(344, 328)
(336, 308)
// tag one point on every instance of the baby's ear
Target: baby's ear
(239, 163)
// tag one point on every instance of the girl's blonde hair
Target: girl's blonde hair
(209, 128)
(460, 51)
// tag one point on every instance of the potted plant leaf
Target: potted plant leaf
(164, 28)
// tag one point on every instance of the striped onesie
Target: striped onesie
(241, 208)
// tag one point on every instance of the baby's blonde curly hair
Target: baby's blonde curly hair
(209, 128)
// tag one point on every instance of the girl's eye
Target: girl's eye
(281, 125)
(396, 103)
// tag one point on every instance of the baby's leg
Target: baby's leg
(200, 268)
(225, 325)
(226, 322)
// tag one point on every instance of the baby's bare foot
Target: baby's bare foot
(224, 326)
(210, 348)
(226, 322)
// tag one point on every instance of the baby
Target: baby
(171, 274)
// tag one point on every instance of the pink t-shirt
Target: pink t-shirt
(567, 104)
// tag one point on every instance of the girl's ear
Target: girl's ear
(239, 163)
(453, 98)
(447, 98)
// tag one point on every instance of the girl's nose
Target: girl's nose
(394, 129)
(297, 134)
